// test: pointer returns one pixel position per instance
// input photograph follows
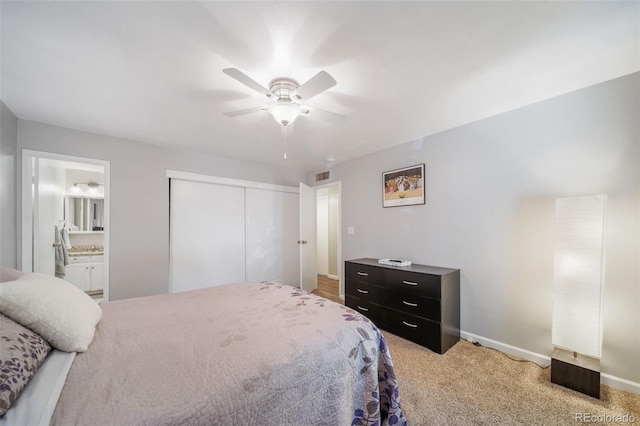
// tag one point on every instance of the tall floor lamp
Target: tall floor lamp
(579, 263)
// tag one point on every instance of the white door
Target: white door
(207, 235)
(308, 238)
(272, 227)
(48, 197)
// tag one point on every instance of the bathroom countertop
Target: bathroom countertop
(85, 253)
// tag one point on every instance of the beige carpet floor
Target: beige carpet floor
(471, 385)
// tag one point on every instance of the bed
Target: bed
(240, 354)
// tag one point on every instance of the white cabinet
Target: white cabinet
(97, 274)
(76, 272)
(86, 272)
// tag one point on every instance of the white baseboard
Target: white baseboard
(620, 383)
(543, 360)
(333, 277)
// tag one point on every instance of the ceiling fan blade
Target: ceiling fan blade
(246, 80)
(325, 116)
(316, 84)
(242, 111)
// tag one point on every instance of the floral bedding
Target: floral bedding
(21, 353)
(240, 354)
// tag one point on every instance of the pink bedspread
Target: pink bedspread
(240, 354)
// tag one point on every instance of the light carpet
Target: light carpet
(470, 385)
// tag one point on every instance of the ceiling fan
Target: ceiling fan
(286, 96)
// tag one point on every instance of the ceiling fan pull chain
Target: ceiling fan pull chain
(284, 134)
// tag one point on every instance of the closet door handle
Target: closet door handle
(408, 324)
(410, 304)
(363, 309)
(363, 274)
(362, 291)
(409, 283)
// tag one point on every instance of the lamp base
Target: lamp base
(581, 374)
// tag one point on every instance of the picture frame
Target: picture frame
(403, 187)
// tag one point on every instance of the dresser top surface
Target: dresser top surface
(423, 269)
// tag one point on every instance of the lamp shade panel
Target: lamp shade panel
(579, 257)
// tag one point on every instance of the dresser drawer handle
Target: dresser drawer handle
(362, 309)
(362, 291)
(363, 274)
(408, 324)
(409, 283)
(413, 305)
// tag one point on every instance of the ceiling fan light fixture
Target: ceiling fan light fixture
(286, 94)
(284, 112)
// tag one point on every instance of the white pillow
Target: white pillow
(61, 313)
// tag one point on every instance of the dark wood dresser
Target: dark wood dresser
(420, 303)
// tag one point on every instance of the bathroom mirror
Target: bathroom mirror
(84, 214)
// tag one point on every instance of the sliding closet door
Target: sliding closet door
(207, 235)
(272, 229)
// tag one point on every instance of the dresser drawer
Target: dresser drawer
(412, 283)
(414, 305)
(364, 273)
(419, 330)
(370, 310)
(420, 303)
(364, 291)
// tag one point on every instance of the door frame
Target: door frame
(26, 217)
(339, 231)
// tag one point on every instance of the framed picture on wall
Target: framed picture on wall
(403, 187)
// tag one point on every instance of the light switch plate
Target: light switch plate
(351, 230)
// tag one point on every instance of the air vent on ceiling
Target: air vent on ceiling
(323, 176)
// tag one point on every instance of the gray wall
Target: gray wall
(139, 234)
(490, 188)
(8, 143)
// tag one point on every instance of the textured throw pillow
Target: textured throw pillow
(8, 274)
(61, 313)
(21, 353)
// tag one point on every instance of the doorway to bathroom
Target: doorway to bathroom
(65, 219)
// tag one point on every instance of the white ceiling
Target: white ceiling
(152, 71)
